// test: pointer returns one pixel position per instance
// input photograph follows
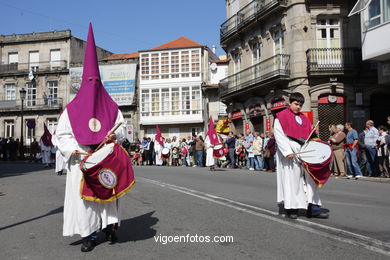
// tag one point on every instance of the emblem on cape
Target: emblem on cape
(214, 136)
(107, 178)
(298, 120)
(94, 125)
(220, 152)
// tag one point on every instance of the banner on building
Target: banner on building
(117, 79)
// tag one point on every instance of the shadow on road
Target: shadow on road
(16, 168)
(138, 228)
(133, 229)
(52, 212)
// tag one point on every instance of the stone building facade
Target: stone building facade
(276, 47)
(38, 63)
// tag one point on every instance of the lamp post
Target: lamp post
(22, 98)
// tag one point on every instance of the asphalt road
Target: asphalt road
(190, 202)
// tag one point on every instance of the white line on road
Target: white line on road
(369, 243)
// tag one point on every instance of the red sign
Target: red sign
(268, 124)
(309, 115)
(236, 115)
(331, 99)
(278, 105)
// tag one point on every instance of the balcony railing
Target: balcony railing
(46, 66)
(31, 104)
(277, 66)
(333, 60)
(247, 14)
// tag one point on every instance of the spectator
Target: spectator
(257, 152)
(231, 144)
(363, 163)
(251, 156)
(199, 149)
(337, 142)
(383, 153)
(271, 147)
(265, 142)
(34, 150)
(351, 150)
(370, 139)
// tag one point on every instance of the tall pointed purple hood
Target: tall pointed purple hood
(92, 113)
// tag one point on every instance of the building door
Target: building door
(380, 108)
(331, 111)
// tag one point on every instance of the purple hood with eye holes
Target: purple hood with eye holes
(92, 113)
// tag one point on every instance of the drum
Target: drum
(316, 157)
(218, 151)
(107, 174)
(165, 153)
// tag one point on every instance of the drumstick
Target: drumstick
(104, 141)
(312, 131)
(82, 153)
(305, 152)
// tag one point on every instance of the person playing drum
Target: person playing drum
(295, 188)
(86, 122)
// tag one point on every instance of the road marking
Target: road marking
(369, 243)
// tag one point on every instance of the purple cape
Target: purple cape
(92, 113)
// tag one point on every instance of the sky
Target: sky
(120, 26)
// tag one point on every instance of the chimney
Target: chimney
(214, 48)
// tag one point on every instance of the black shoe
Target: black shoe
(88, 245)
(111, 234)
(322, 215)
(292, 216)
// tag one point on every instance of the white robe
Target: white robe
(80, 216)
(158, 149)
(295, 188)
(45, 152)
(60, 162)
(210, 160)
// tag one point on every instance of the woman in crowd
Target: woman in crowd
(383, 153)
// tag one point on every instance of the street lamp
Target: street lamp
(22, 98)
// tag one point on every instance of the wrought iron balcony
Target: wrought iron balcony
(252, 11)
(31, 104)
(47, 66)
(333, 60)
(276, 67)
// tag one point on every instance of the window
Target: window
(13, 58)
(145, 66)
(9, 128)
(10, 92)
(195, 102)
(255, 53)
(195, 63)
(53, 92)
(171, 101)
(175, 64)
(328, 33)
(175, 107)
(156, 102)
(185, 99)
(185, 64)
(237, 61)
(31, 94)
(165, 101)
(55, 58)
(195, 131)
(165, 65)
(34, 60)
(278, 42)
(52, 124)
(145, 102)
(378, 12)
(155, 62)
